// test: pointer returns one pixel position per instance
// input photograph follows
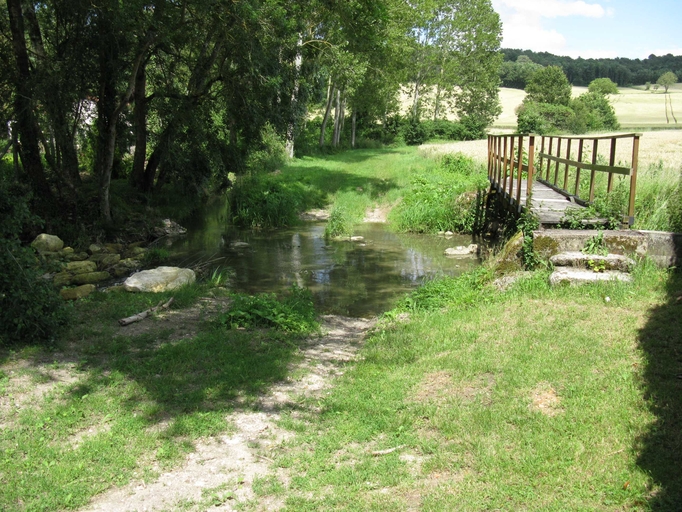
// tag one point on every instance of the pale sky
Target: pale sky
(593, 28)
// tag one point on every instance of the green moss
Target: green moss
(622, 244)
(508, 259)
(545, 246)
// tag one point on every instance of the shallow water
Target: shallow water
(358, 279)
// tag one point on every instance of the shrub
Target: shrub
(543, 118)
(293, 313)
(259, 202)
(30, 309)
(271, 154)
(603, 86)
(592, 112)
(414, 132)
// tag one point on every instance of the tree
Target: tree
(549, 85)
(603, 86)
(666, 80)
(517, 74)
(456, 51)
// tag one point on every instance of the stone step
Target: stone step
(593, 261)
(574, 276)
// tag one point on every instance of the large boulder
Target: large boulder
(47, 243)
(159, 279)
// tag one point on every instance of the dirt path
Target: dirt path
(221, 472)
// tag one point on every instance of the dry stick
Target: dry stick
(141, 316)
(389, 450)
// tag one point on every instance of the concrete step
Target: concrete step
(593, 261)
(575, 276)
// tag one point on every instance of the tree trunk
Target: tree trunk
(342, 122)
(291, 127)
(29, 149)
(415, 101)
(137, 177)
(60, 150)
(337, 119)
(330, 97)
(353, 124)
(109, 110)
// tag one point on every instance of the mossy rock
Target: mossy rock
(91, 277)
(77, 293)
(508, 260)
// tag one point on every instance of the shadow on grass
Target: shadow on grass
(661, 447)
(200, 374)
(329, 181)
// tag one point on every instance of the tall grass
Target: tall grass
(266, 201)
(346, 212)
(446, 199)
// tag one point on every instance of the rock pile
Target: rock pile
(86, 269)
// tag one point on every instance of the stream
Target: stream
(357, 279)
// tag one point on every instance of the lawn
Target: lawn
(462, 398)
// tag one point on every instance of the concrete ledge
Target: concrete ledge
(575, 276)
(664, 248)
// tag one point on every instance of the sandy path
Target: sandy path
(220, 473)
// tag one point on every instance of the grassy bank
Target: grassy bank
(425, 194)
(463, 398)
(106, 405)
(533, 399)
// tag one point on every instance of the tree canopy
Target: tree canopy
(549, 85)
(603, 86)
(160, 91)
(667, 79)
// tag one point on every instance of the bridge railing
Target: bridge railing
(511, 166)
(563, 163)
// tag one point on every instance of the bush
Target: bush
(294, 313)
(592, 112)
(603, 86)
(31, 311)
(543, 118)
(265, 202)
(414, 132)
(453, 130)
(271, 154)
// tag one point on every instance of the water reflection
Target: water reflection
(350, 278)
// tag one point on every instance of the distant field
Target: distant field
(635, 107)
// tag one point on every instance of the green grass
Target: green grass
(138, 402)
(456, 390)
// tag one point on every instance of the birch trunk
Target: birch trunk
(291, 127)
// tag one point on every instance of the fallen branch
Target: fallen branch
(141, 316)
(389, 450)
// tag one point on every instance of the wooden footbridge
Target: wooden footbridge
(551, 175)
